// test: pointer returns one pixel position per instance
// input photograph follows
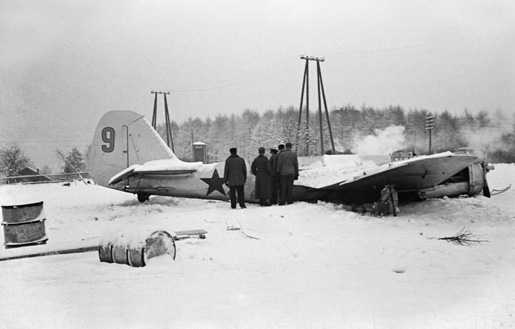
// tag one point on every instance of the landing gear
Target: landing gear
(142, 197)
(387, 202)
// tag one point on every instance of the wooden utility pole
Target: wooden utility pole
(321, 95)
(305, 86)
(321, 86)
(168, 125)
(430, 125)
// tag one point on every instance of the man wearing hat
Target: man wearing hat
(262, 170)
(235, 176)
(288, 170)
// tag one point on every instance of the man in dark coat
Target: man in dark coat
(262, 170)
(275, 178)
(235, 176)
(288, 170)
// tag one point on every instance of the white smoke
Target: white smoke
(489, 138)
(486, 139)
(340, 148)
(383, 142)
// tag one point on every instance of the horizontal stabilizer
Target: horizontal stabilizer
(157, 167)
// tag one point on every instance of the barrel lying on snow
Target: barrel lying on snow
(135, 248)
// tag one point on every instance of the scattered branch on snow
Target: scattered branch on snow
(464, 238)
(232, 227)
(249, 236)
(238, 228)
(427, 237)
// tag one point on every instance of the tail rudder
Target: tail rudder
(123, 138)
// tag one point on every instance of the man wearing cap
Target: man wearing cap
(235, 176)
(288, 170)
(262, 170)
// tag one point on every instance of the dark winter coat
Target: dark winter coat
(235, 172)
(287, 163)
(273, 163)
(263, 171)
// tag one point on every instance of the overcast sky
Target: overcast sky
(63, 64)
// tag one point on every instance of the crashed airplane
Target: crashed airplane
(128, 155)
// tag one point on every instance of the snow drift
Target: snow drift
(298, 266)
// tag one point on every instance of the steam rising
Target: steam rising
(489, 138)
(383, 142)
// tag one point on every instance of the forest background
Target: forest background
(355, 131)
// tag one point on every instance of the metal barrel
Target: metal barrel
(135, 249)
(105, 252)
(136, 257)
(119, 253)
(24, 224)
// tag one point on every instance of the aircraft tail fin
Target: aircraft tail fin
(122, 139)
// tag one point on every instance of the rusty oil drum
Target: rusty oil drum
(135, 249)
(24, 224)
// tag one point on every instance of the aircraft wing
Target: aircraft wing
(408, 175)
(384, 171)
(157, 167)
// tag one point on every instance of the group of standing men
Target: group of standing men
(274, 176)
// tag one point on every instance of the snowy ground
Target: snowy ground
(311, 266)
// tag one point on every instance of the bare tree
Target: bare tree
(12, 160)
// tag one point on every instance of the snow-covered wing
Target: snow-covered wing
(157, 167)
(409, 175)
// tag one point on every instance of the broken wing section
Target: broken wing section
(407, 176)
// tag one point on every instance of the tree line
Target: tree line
(13, 159)
(491, 132)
